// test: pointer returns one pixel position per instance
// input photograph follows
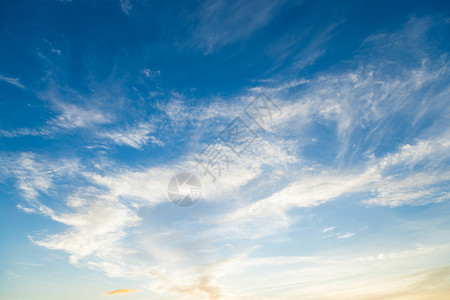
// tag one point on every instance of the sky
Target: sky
(316, 131)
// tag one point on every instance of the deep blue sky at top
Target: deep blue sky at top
(105, 44)
(104, 50)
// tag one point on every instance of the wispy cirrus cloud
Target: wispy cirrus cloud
(328, 229)
(13, 81)
(221, 22)
(135, 136)
(418, 188)
(194, 253)
(121, 291)
(34, 175)
(96, 230)
(73, 116)
(25, 132)
(126, 6)
(345, 235)
(362, 106)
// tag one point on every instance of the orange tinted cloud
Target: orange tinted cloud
(121, 291)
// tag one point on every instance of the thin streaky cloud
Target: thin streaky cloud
(328, 229)
(121, 291)
(13, 81)
(345, 235)
(221, 22)
(126, 6)
(343, 196)
(135, 136)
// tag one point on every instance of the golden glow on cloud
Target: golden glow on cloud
(121, 291)
(433, 284)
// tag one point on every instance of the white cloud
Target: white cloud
(24, 132)
(96, 228)
(233, 173)
(13, 81)
(126, 6)
(364, 104)
(147, 187)
(345, 235)
(315, 49)
(316, 188)
(150, 73)
(75, 110)
(273, 176)
(269, 215)
(33, 177)
(25, 209)
(136, 137)
(328, 229)
(433, 151)
(401, 186)
(73, 116)
(221, 23)
(282, 87)
(329, 277)
(416, 189)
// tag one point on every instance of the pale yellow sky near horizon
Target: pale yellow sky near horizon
(431, 284)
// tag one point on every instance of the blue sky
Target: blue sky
(343, 194)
